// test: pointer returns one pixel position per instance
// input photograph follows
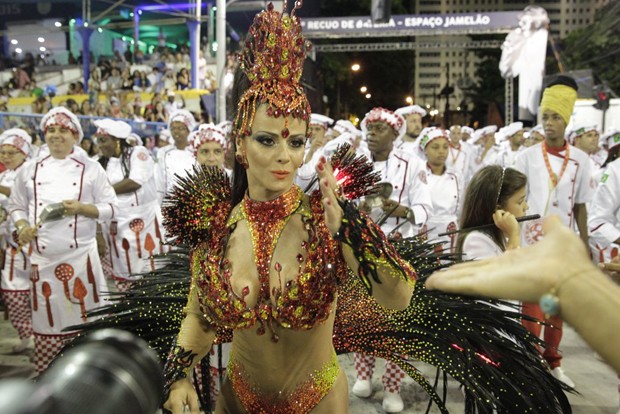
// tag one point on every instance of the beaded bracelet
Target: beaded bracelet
(550, 302)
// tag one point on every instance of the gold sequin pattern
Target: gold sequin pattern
(307, 394)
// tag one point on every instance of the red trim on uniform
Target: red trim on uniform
(556, 150)
(54, 335)
(113, 213)
(597, 227)
(14, 290)
(36, 204)
(402, 184)
(79, 198)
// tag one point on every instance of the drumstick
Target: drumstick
(486, 226)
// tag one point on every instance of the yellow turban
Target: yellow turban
(560, 99)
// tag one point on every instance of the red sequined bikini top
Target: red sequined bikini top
(301, 303)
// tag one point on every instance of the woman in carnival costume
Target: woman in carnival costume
(322, 277)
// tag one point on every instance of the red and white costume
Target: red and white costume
(66, 273)
(407, 174)
(570, 168)
(15, 280)
(136, 231)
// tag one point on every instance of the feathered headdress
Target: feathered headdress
(273, 59)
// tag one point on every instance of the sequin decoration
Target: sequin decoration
(307, 394)
(177, 366)
(198, 206)
(297, 304)
(370, 247)
(273, 58)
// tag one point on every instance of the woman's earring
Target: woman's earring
(118, 147)
(241, 159)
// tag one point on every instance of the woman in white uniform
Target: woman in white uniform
(134, 235)
(15, 288)
(445, 186)
(66, 272)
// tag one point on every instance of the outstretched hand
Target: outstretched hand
(612, 268)
(182, 399)
(330, 191)
(524, 274)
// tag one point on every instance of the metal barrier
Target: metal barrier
(30, 123)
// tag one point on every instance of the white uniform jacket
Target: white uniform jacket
(171, 161)
(447, 197)
(66, 272)
(603, 220)
(16, 270)
(460, 160)
(506, 157)
(407, 175)
(136, 232)
(575, 186)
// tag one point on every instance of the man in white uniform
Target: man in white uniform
(319, 124)
(408, 206)
(586, 137)
(484, 141)
(459, 153)
(559, 182)
(512, 135)
(413, 115)
(177, 158)
(535, 136)
(604, 219)
(135, 234)
(66, 273)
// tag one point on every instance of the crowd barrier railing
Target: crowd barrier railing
(30, 123)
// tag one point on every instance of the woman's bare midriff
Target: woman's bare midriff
(275, 367)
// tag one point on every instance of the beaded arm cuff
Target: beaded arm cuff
(177, 367)
(370, 246)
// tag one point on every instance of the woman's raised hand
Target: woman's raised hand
(330, 191)
(507, 223)
(182, 394)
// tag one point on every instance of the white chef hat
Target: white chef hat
(431, 134)
(206, 133)
(538, 128)
(479, 133)
(510, 129)
(611, 138)
(63, 117)
(581, 129)
(135, 139)
(378, 114)
(184, 116)
(467, 130)
(321, 120)
(411, 109)
(113, 128)
(332, 146)
(226, 126)
(18, 138)
(343, 125)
